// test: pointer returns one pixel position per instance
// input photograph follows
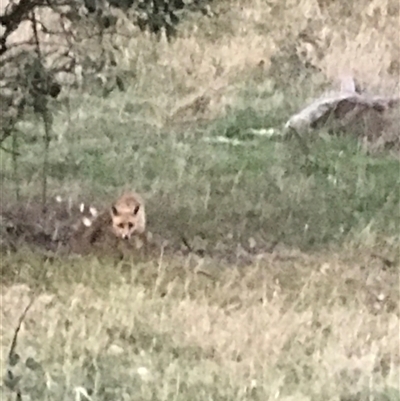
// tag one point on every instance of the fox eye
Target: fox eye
(130, 225)
(136, 210)
(121, 225)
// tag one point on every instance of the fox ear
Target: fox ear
(114, 211)
(136, 210)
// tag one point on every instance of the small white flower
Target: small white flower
(93, 211)
(58, 199)
(86, 221)
(142, 371)
(82, 207)
(115, 349)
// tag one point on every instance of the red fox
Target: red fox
(128, 216)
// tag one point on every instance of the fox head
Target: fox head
(127, 218)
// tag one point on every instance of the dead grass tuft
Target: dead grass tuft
(302, 326)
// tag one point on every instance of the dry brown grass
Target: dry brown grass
(214, 56)
(293, 327)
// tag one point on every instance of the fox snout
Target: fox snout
(124, 230)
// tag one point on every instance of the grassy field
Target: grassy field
(316, 319)
(297, 294)
(289, 327)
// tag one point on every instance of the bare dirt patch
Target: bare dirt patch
(59, 228)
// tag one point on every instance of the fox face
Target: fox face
(128, 217)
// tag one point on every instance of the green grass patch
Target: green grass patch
(264, 189)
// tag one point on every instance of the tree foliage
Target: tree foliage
(42, 42)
